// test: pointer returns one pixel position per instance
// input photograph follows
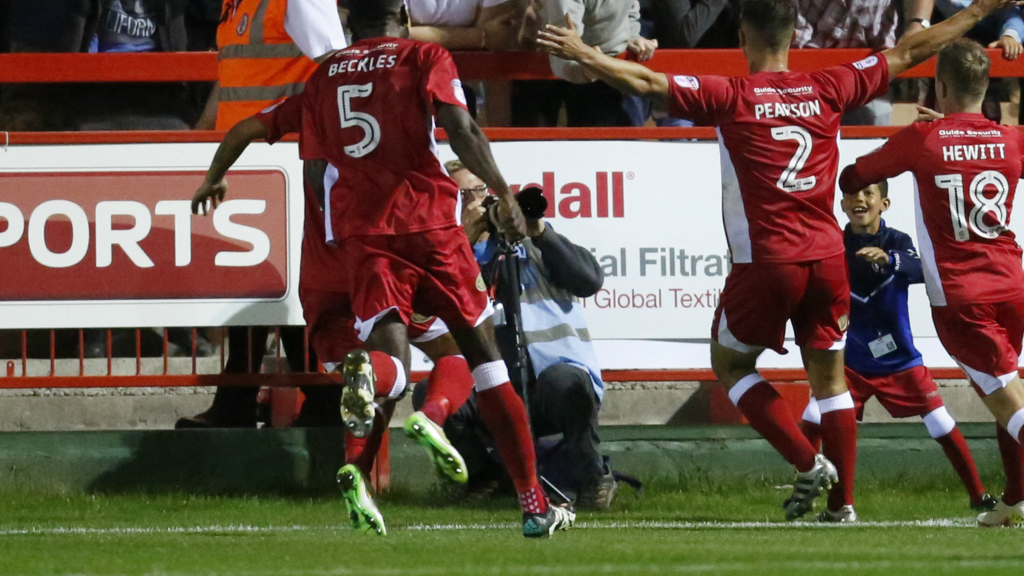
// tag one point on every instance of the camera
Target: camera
(531, 201)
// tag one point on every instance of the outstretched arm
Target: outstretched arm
(914, 49)
(625, 76)
(213, 189)
(472, 147)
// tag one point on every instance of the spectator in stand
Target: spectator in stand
(267, 50)
(611, 26)
(1001, 29)
(133, 26)
(39, 26)
(859, 24)
(691, 23)
(471, 25)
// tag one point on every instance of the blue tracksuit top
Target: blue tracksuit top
(878, 302)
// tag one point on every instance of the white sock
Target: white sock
(811, 413)
(842, 402)
(741, 387)
(939, 422)
(490, 375)
(400, 380)
(1015, 424)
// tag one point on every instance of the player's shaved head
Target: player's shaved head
(373, 18)
(963, 67)
(770, 21)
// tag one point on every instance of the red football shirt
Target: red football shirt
(966, 170)
(778, 134)
(368, 110)
(322, 265)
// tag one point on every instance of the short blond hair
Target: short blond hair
(453, 166)
(964, 67)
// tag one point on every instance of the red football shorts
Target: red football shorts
(911, 392)
(331, 322)
(759, 298)
(985, 339)
(433, 273)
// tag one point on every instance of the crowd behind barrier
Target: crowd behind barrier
(93, 65)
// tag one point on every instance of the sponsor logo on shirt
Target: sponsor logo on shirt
(460, 94)
(844, 320)
(956, 133)
(687, 82)
(783, 91)
(866, 63)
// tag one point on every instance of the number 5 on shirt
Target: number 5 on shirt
(352, 119)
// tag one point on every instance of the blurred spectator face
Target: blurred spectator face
(471, 187)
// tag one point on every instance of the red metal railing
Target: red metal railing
(202, 66)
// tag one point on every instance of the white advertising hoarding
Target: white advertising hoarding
(650, 212)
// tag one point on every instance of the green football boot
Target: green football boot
(362, 512)
(446, 458)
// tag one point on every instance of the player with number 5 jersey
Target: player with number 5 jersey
(966, 170)
(778, 131)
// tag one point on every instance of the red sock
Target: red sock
(1010, 450)
(959, 455)
(813, 433)
(448, 388)
(839, 444)
(363, 451)
(504, 414)
(386, 371)
(770, 417)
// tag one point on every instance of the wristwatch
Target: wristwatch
(923, 21)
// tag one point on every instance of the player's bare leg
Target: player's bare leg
(1007, 405)
(838, 426)
(504, 414)
(770, 417)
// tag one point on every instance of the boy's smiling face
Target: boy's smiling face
(864, 209)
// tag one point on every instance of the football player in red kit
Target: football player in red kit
(966, 170)
(778, 135)
(369, 112)
(324, 287)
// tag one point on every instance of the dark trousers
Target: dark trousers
(563, 415)
(536, 103)
(245, 356)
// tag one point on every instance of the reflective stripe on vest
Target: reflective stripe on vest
(258, 63)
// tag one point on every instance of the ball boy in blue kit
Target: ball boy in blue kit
(881, 359)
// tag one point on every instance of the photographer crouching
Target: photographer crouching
(551, 353)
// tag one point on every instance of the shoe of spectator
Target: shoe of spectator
(214, 418)
(600, 495)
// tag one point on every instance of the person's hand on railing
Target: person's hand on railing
(1010, 45)
(564, 43)
(208, 196)
(641, 49)
(925, 114)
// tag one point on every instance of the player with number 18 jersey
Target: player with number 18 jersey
(780, 156)
(966, 169)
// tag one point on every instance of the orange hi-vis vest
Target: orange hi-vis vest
(258, 64)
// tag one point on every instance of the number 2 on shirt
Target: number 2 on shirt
(996, 206)
(789, 181)
(352, 119)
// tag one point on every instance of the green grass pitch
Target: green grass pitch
(729, 531)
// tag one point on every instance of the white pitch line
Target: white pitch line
(585, 525)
